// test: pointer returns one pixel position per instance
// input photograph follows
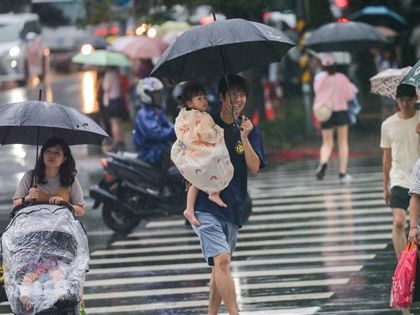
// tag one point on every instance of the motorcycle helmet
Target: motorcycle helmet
(146, 86)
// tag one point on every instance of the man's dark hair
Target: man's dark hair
(406, 90)
(236, 82)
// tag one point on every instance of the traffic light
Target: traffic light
(341, 3)
(339, 9)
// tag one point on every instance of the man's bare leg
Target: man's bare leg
(224, 284)
(214, 299)
(398, 230)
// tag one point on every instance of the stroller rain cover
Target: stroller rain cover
(45, 258)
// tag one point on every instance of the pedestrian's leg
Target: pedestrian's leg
(215, 299)
(327, 145)
(343, 148)
(325, 152)
(224, 282)
(117, 136)
(398, 230)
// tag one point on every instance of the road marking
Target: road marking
(204, 289)
(254, 235)
(236, 264)
(204, 303)
(254, 252)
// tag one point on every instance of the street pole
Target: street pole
(302, 6)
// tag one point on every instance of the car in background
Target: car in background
(66, 41)
(21, 48)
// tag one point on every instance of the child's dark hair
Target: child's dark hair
(67, 169)
(236, 82)
(189, 91)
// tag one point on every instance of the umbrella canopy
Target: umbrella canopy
(222, 47)
(102, 58)
(413, 76)
(385, 82)
(143, 47)
(34, 122)
(386, 31)
(349, 36)
(380, 15)
(121, 42)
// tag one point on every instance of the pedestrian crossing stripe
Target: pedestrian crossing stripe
(204, 289)
(284, 216)
(327, 239)
(255, 252)
(242, 243)
(203, 303)
(267, 225)
(310, 199)
(236, 264)
(243, 236)
(258, 194)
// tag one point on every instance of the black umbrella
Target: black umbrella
(34, 122)
(221, 48)
(348, 36)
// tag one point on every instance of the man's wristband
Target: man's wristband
(414, 227)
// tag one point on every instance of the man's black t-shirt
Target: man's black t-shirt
(235, 193)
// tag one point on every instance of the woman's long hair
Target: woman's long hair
(331, 69)
(67, 170)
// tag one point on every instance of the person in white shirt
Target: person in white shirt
(401, 148)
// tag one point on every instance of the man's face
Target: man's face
(406, 103)
(238, 98)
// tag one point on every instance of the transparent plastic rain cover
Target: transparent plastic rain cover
(45, 258)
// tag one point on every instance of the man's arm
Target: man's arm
(386, 168)
(251, 157)
(413, 234)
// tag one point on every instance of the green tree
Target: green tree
(97, 11)
(14, 5)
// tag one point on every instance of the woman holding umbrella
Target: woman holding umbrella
(55, 177)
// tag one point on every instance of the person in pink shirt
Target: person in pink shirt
(337, 89)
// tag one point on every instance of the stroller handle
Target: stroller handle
(31, 203)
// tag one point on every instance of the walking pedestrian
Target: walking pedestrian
(401, 149)
(218, 229)
(200, 152)
(336, 88)
(114, 104)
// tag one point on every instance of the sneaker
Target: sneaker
(346, 179)
(320, 171)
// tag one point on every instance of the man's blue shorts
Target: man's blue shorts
(216, 236)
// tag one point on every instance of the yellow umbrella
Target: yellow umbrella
(170, 26)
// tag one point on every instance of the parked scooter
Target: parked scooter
(133, 190)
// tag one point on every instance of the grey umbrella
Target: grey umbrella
(34, 122)
(349, 36)
(221, 48)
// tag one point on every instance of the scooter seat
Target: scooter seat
(131, 158)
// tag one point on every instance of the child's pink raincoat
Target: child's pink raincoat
(200, 152)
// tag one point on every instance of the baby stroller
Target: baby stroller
(45, 258)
